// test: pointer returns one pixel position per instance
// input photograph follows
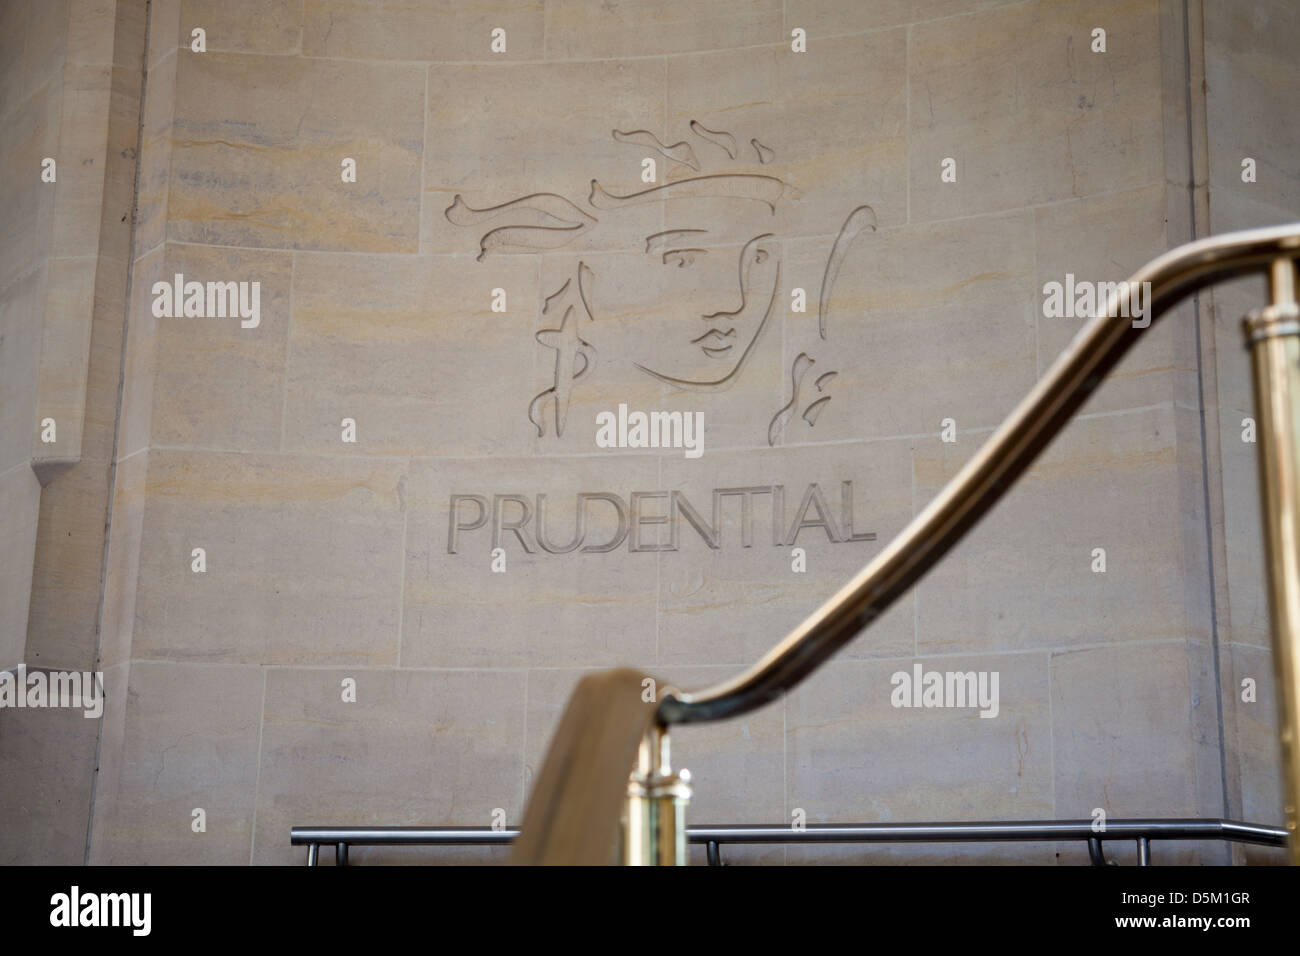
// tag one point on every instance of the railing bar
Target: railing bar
(993, 469)
(398, 836)
(1044, 831)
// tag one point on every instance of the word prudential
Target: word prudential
(73, 689)
(651, 430)
(75, 908)
(211, 300)
(1086, 300)
(946, 689)
(601, 520)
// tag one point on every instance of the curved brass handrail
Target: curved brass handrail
(989, 474)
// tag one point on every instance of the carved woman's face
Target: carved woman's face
(699, 295)
(716, 295)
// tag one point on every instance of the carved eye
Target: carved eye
(682, 257)
(760, 255)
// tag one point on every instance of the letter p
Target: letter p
(454, 525)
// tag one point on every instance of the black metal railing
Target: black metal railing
(1141, 831)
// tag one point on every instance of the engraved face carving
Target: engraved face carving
(716, 274)
(717, 299)
(715, 278)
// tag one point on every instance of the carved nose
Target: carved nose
(754, 253)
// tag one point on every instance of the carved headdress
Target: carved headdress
(544, 220)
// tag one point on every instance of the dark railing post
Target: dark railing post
(1095, 854)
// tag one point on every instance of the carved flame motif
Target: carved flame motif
(574, 357)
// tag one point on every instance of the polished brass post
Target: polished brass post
(1273, 334)
(654, 822)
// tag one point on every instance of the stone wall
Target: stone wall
(393, 469)
(72, 77)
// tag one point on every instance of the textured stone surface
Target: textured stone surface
(83, 133)
(454, 378)
(436, 30)
(833, 17)
(189, 741)
(1255, 745)
(65, 353)
(497, 133)
(47, 759)
(1029, 113)
(271, 177)
(21, 306)
(303, 557)
(34, 48)
(20, 494)
(834, 120)
(123, 561)
(32, 134)
(64, 607)
(1247, 52)
(925, 323)
(135, 415)
(216, 384)
(71, 94)
(1132, 747)
(592, 29)
(1024, 578)
(33, 43)
(83, 325)
(154, 168)
(417, 748)
(244, 26)
(328, 560)
(852, 756)
(1124, 743)
(1106, 239)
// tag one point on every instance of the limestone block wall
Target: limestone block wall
(363, 541)
(71, 92)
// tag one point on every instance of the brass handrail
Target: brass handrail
(1006, 455)
(653, 811)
